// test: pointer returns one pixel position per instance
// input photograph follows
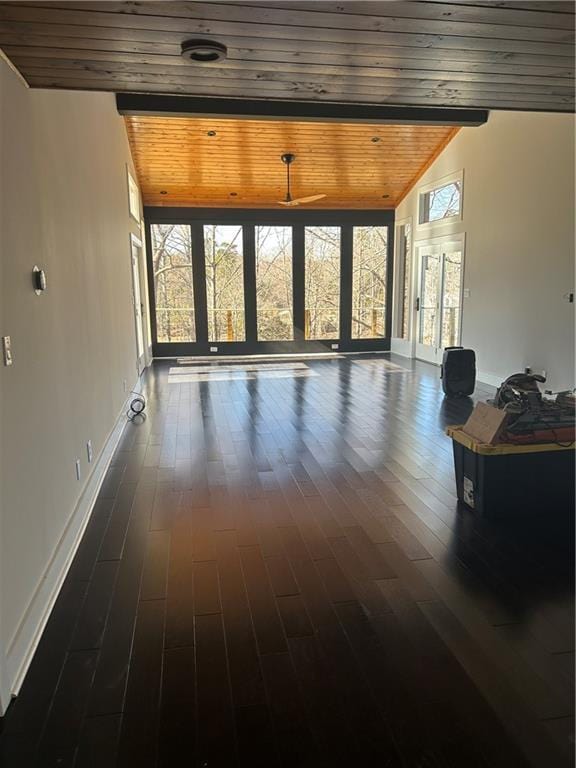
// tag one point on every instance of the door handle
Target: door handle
(418, 304)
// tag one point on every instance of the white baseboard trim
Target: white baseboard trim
(402, 347)
(493, 379)
(24, 642)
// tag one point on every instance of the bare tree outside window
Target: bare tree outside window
(369, 260)
(224, 282)
(441, 203)
(274, 283)
(173, 288)
(322, 283)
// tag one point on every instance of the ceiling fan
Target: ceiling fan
(288, 159)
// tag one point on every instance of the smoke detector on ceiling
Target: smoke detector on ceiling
(203, 51)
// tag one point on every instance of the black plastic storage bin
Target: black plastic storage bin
(505, 479)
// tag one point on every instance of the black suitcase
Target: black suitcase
(458, 371)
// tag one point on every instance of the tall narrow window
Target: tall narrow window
(369, 262)
(404, 256)
(224, 282)
(322, 283)
(430, 289)
(173, 288)
(274, 283)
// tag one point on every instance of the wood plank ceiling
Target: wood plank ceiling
(470, 53)
(222, 163)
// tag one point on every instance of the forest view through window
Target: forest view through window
(173, 288)
(224, 282)
(322, 291)
(275, 284)
(369, 282)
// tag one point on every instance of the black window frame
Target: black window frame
(248, 219)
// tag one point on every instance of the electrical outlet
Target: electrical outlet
(213, 349)
(7, 350)
(78, 470)
(89, 451)
(466, 293)
(335, 346)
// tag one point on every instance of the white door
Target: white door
(137, 301)
(439, 302)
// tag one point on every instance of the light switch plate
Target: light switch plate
(466, 293)
(7, 350)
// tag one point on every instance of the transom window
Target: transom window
(441, 202)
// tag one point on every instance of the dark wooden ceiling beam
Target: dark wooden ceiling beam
(141, 104)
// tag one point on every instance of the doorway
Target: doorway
(260, 282)
(135, 256)
(439, 301)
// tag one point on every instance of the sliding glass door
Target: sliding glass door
(256, 282)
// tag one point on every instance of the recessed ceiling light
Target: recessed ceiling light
(210, 133)
(203, 51)
(375, 139)
(163, 192)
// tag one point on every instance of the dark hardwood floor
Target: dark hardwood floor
(276, 574)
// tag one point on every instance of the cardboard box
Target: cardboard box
(486, 423)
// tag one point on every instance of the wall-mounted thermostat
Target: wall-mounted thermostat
(38, 280)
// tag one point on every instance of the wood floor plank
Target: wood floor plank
(177, 728)
(216, 734)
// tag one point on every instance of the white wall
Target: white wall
(63, 206)
(518, 217)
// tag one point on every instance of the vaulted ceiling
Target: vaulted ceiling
(470, 53)
(216, 163)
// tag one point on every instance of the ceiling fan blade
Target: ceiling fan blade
(310, 199)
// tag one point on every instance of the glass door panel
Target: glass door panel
(274, 284)
(452, 291)
(223, 253)
(440, 311)
(429, 299)
(173, 288)
(322, 283)
(369, 260)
